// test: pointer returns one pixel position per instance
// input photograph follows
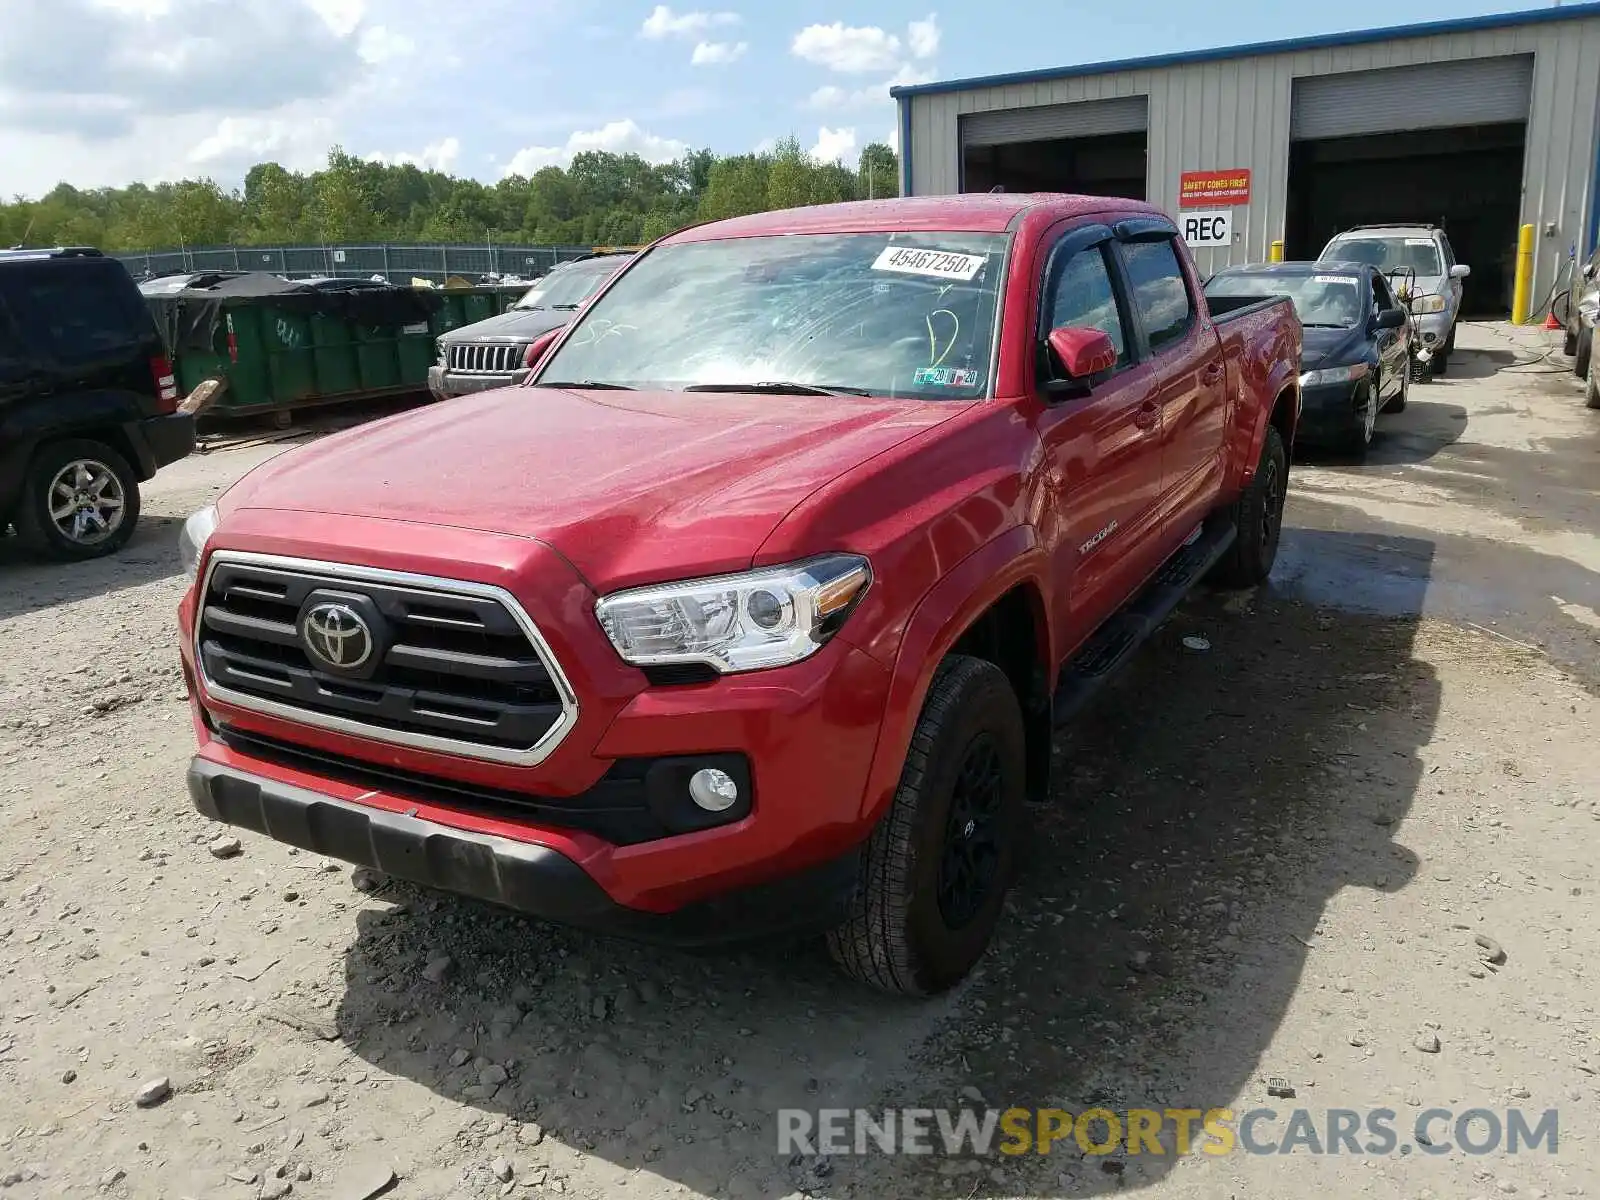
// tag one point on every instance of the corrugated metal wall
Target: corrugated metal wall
(1235, 113)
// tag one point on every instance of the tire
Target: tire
(1569, 345)
(1591, 387)
(911, 930)
(90, 471)
(1583, 353)
(1359, 440)
(1258, 516)
(1441, 359)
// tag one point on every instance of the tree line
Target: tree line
(599, 199)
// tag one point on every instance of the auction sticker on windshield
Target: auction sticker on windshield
(1331, 279)
(941, 264)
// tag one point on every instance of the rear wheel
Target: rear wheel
(1258, 516)
(80, 500)
(936, 869)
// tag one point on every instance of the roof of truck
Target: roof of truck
(985, 212)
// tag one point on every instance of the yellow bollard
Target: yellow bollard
(1275, 253)
(1521, 295)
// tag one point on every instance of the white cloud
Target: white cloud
(664, 23)
(854, 49)
(297, 143)
(835, 145)
(379, 44)
(832, 98)
(440, 156)
(711, 53)
(923, 37)
(340, 16)
(616, 137)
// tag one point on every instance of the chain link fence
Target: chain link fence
(398, 262)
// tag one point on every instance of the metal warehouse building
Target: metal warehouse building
(1479, 125)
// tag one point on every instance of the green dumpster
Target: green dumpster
(282, 345)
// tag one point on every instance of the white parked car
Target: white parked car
(1403, 251)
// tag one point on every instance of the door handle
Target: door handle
(1148, 416)
(1212, 373)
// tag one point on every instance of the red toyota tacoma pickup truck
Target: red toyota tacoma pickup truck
(753, 610)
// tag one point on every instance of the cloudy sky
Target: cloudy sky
(102, 92)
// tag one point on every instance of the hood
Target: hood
(1331, 348)
(628, 486)
(514, 324)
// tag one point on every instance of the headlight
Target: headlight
(1428, 304)
(1334, 375)
(767, 618)
(193, 537)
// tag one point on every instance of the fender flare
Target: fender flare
(1283, 379)
(945, 612)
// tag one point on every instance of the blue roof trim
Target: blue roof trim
(1537, 16)
(905, 146)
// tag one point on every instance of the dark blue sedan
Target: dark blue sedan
(1356, 356)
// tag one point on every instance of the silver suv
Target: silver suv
(1404, 251)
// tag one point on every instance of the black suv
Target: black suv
(494, 353)
(88, 401)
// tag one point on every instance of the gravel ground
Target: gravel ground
(1268, 860)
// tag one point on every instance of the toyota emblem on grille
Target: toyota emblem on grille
(337, 635)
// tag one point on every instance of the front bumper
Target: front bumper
(1328, 412)
(445, 383)
(525, 876)
(808, 733)
(1433, 328)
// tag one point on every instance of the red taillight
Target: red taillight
(166, 384)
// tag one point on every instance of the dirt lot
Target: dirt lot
(1267, 859)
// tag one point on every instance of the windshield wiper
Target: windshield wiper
(1324, 325)
(589, 385)
(566, 307)
(528, 307)
(779, 388)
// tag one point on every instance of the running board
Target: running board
(1115, 641)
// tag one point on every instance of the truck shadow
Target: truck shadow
(28, 584)
(1207, 810)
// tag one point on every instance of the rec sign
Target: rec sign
(1207, 189)
(1213, 228)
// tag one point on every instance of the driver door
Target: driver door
(1103, 449)
(1394, 345)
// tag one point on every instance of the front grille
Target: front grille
(454, 667)
(486, 358)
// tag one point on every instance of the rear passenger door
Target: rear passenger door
(1176, 336)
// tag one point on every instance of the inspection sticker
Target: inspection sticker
(956, 377)
(941, 264)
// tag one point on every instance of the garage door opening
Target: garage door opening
(1434, 144)
(1096, 147)
(1466, 181)
(1110, 165)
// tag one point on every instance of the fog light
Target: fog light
(713, 790)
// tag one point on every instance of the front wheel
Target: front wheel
(1583, 352)
(1398, 403)
(80, 500)
(936, 869)
(1258, 516)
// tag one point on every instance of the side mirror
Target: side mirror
(1460, 271)
(1389, 318)
(1081, 352)
(540, 346)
